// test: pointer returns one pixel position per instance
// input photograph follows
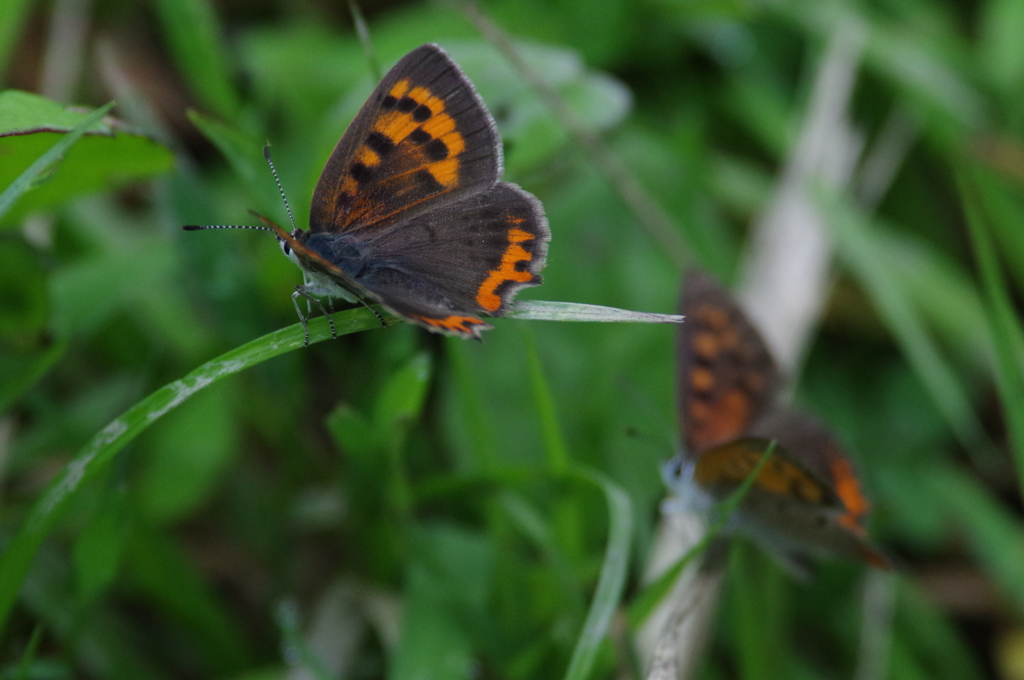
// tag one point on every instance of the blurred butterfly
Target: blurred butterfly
(806, 500)
(410, 210)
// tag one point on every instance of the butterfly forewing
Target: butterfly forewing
(422, 140)
(727, 378)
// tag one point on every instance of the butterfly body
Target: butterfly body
(805, 500)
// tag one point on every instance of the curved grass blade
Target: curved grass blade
(613, 574)
(554, 445)
(870, 264)
(363, 32)
(28, 657)
(1005, 328)
(194, 35)
(100, 451)
(25, 180)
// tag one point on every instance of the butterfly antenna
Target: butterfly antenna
(199, 227)
(273, 170)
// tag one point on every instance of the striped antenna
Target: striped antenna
(273, 170)
(200, 227)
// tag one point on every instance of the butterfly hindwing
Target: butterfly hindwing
(423, 139)
(817, 448)
(472, 256)
(725, 467)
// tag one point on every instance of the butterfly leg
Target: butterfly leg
(380, 318)
(298, 310)
(330, 317)
(301, 292)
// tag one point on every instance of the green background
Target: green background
(396, 504)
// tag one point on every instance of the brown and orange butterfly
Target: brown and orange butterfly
(410, 210)
(806, 499)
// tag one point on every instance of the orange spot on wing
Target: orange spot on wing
(368, 157)
(422, 95)
(399, 89)
(455, 143)
(446, 172)
(713, 316)
(848, 490)
(702, 379)
(706, 344)
(486, 295)
(395, 125)
(454, 323)
(439, 125)
(726, 419)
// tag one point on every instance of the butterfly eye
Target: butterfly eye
(287, 249)
(674, 469)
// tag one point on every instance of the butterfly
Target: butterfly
(410, 210)
(806, 500)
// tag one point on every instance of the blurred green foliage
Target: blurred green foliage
(395, 504)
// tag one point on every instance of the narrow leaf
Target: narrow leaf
(574, 311)
(26, 179)
(613, 574)
(100, 451)
(1005, 328)
(876, 271)
(554, 445)
(197, 43)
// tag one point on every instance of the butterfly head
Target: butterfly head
(687, 495)
(286, 245)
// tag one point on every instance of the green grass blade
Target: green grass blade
(991, 529)
(239, 149)
(613, 574)
(554, 445)
(874, 268)
(26, 179)
(100, 451)
(469, 396)
(576, 311)
(29, 655)
(13, 14)
(648, 600)
(27, 371)
(1005, 328)
(363, 31)
(195, 36)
